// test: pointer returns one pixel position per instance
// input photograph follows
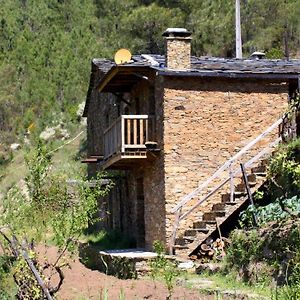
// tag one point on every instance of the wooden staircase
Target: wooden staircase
(206, 226)
(232, 198)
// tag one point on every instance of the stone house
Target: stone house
(162, 126)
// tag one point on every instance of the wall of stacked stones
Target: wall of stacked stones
(205, 123)
(154, 177)
(178, 53)
(120, 209)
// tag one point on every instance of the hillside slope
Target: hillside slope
(46, 46)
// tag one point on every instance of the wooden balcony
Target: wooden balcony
(125, 139)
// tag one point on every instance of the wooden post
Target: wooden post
(249, 192)
(173, 237)
(128, 141)
(141, 132)
(134, 131)
(122, 134)
(231, 183)
(115, 139)
(147, 130)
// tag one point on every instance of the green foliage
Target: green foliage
(45, 52)
(270, 212)
(271, 252)
(163, 268)
(28, 287)
(274, 53)
(109, 240)
(46, 46)
(290, 291)
(284, 169)
(46, 203)
(283, 175)
(47, 209)
(243, 249)
(6, 282)
(286, 293)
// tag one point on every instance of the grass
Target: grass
(12, 172)
(63, 160)
(225, 284)
(108, 240)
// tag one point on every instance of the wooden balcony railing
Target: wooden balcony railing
(127, 133)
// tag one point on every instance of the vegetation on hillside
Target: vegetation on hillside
(270, 253)
(43, 211)
(46, 46)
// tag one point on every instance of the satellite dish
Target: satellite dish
(122, 56)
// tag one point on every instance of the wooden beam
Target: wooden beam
(107, 78)
(121, 98)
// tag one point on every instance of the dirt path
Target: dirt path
(83, 283)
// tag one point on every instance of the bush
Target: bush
(284, 171)
(7, 287)
(163, 268)
(244, 248)
(272, 250)
(270, 212)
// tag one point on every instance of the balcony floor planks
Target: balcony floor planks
(124, 160)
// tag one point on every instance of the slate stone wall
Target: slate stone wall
(205, 123)
(198, 125)
(178, 53)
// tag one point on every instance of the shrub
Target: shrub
(244, 248)
(163, 268)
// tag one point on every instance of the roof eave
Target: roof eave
(278, 76)
(107, 78)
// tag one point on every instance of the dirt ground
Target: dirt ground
(83, 283)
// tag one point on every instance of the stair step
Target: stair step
(211, 226)
(211, 222)
(195, 231)
(230, 203)
(209, 216)
(264, 162)
(226, 201)
(252, 183)
(182, 252)
(188, 238)
(218, 207)
(259, 170)
(181, 247)
(199, 225)
(181, 241)
(220, 213)
(190, 232)
(225, 198)
(239, 194)
(251, 179)
(240, 188)
(263, 174)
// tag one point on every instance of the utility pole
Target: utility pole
(238, 37)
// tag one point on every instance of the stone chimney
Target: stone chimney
(178, 48)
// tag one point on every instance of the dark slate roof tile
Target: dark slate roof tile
(213, 64)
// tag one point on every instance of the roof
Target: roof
(206, 64)
(200, 66)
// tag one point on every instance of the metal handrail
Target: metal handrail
(232, 173)
(225, 166)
